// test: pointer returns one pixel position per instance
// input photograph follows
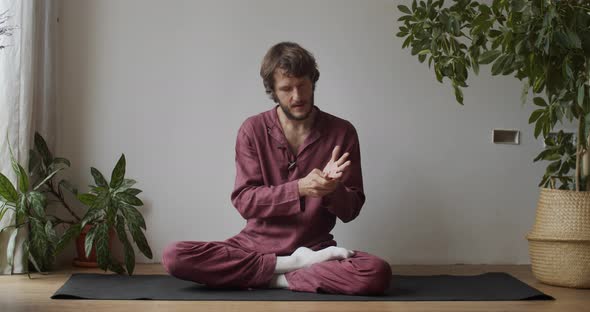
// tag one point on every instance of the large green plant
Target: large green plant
(543, 43)
(112, 206)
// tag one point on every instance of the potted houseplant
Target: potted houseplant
(29, 199)
(546, 45)
(110, 206)
(112, 209)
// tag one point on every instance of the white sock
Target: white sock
(279, 281)
(304, 257)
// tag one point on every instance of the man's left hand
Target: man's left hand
(335, 167)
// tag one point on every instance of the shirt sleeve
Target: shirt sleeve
(251, 197)
(348, 198)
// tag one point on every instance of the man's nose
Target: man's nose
(296, 94)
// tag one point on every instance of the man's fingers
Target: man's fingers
(342, 159)
(343, 166)
(335, 152)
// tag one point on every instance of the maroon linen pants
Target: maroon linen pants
(223, 264)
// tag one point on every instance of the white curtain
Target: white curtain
(27, 94)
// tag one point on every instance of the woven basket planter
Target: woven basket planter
(559, 243)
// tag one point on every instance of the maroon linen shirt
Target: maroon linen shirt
(266, 193)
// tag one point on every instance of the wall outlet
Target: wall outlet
(506, 136)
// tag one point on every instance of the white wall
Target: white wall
(168, 83)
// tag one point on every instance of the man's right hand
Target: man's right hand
(316, 184)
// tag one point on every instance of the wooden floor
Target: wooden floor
(18, 293)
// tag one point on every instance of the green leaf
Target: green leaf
(43, 150)
(539, 126)
(130, 199)
(488, 56)
(87, 199)
(89, 241)
(115, 266)
(3, 211)
(99, 190)
(37, 202)
(128, 249)
(567, 71)
(535, 115)
(47, 178)
(458, 95)
(507, 67)
(102, 245)
(118, 172)
(98, 177)
(475, 66)
(34, 161)
(539, 83)
(50, 232)
(21, 208)
(72, 232)
(38, 237)
(33, 261)
(525, 92)
(405, 18)
(552, 157)
(404, 9)
(127, 183)
(91, 216)
(539, 101)
(132, 215)
(7, 190)
(581, 96)
(407, 42)
(102, 201)
(60, 161)
(498, 65)
(11, 248)
(23, 179)
(25, 257)
(133, 191)
(553, 166)
(140, 240)
(546, 152)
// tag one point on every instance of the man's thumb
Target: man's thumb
(319, 172)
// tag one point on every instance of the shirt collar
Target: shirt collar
(275, 129)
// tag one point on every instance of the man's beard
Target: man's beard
(285, 109)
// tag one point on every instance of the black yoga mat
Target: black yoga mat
(484, 287)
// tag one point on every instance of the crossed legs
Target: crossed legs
(331, 270)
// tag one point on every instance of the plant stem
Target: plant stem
(61, 220)
(587, 142)
(579, 153)
(59, 195)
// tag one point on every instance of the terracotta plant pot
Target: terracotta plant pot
(82, 260)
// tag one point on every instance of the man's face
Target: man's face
(295, 95)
